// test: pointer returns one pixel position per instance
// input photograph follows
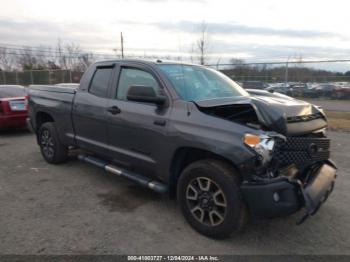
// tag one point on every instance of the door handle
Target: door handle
(114, 110)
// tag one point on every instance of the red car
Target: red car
(13, 106)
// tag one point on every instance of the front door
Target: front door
(136, 131)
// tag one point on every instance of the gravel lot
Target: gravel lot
(76, 208)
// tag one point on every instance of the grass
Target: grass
(338, 120)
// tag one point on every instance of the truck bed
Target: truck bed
(57, 102)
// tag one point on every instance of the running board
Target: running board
(141, 180)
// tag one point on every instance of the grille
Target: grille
(294, 119)
(302, 151)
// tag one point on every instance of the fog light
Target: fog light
(276, 197)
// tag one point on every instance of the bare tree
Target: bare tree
(71, 57)
(26, 59)
(202, 44)
(7, 60)
(60, 55)
(73, 52)
(85, 60)
(236, 62)
(38, 58)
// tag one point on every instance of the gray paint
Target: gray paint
(132, 140)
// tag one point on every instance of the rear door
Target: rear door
(89, 112)
(137, 131)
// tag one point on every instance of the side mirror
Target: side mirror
(140, 93)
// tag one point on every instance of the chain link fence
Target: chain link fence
(329, 80)
(39, 77)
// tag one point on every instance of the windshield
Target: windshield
(195, 83)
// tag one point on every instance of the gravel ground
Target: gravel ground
(75, 208)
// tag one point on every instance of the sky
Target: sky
(253, 30)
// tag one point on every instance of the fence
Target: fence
(289, 71)
(281, 77)
(39, 77)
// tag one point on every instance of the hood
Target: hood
(284, 115)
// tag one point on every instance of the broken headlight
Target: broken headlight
(263, 145)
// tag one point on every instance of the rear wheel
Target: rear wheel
(50, 146)
(210, 198)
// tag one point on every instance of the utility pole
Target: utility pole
(286, 73)
(122, 43)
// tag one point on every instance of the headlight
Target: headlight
(262, 144)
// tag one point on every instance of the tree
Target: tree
(236, 62)
(202, 44)
(60, 55)
(71, 57)
(34, 58)
(6, 59)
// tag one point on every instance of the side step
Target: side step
(141, 180)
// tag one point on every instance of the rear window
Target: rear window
(12, 91)
(99, 83)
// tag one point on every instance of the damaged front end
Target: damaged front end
(296, 172)
(291, 169)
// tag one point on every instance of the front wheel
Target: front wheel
(50, 146)
(209, 195)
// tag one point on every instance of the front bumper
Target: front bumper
(285, 195)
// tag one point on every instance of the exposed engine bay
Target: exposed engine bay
(287, 116)
(295, 137)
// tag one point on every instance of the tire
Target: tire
(53, 151)
(224, 182)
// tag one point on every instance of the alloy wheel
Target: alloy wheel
(47, 144)
(206, 201)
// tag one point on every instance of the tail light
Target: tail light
(1, 108)
(26, 99)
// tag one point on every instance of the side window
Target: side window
(99, 83)
(130, 76)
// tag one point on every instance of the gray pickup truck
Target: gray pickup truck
(192, 132)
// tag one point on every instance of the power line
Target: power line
(283, 63)
(44, 49)
(49, 52)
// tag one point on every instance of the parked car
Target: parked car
(13, 106)
(281, 88)
(341, 92)
(253, 85)
(193, 132)
(325, 90)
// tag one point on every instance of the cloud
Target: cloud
(234, 28)
(36, 32)
(159, 1)
(96, 39)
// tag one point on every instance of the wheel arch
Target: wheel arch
(183, 157)
(41, 118)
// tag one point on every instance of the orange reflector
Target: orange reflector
(251, 140)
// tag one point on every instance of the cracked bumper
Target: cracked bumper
(283, 196)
